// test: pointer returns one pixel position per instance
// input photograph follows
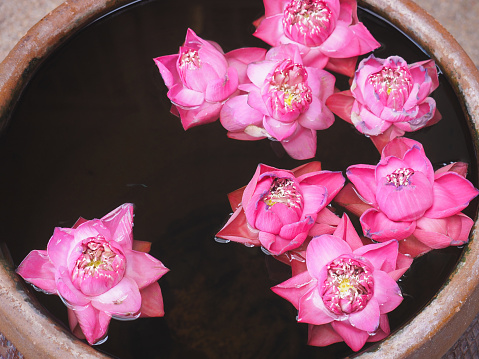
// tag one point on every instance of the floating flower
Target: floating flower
(97, 272)
(403, 198)
(285, 101)
(279, 208)
(200, 79)
(388, 97)
(327, 32)
(346, 288)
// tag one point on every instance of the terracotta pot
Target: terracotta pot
(431, 333)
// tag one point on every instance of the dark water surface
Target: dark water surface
(93, 130)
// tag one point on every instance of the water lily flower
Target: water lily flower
(327, 32)
(200, 78)
(97, 272)
(285, 101)
(346, 288)
(388, 97)
(279, 208)
(403, 198)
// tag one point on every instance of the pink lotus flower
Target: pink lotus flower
(327, 32)
(285, 101)
(200, 79)
(388, 97)
(97, 272)
(346, 288)
(279, 208)
(403, 198)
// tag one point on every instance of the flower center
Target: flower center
(190, 60)
(392, 85)
(283, 190)
(98, 259)
(348, 287)
(307, 21)
(400, 177)
(288, 88)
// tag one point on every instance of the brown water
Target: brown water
(93, 130)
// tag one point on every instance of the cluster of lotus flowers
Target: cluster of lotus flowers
(343, 284)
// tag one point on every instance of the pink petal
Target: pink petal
(37, 269)
(326, 223)
(383, 330)
(368, 318)
(312, 310)
(332, 181)
(444, 232)
(452, 193)
(269, 29)
(346, 231)
(294, 288)
(258, 71)
(120, 223)
(382, 256)
(322, 335)
(405, 203)
(367, 122)
(412, 247)
(266, 220)
(93, 323)
(348, 198)
(236, 114)
(242, 136)
(381, 140)
(309, 167)
(398, 147)
(354, 338)
(60, 245)
(415, 158)
(241, 58)
(341, 104)
(141, 246)
(206, 113)
(122, 299)
(67, 290)
(238, 230)
(459, 167)
(402, 265)
(235, 198)
(277, 244)
(322, 250)
(344, 66)
(167, 67)
(386, 292)
(317, 117)
(274, 7)
(151, 301)
(363, 178)
(220, 89)
(315, 198)
(143, 268)
(302, 144)
(279, 130)
(379, 227)
(185, 97)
